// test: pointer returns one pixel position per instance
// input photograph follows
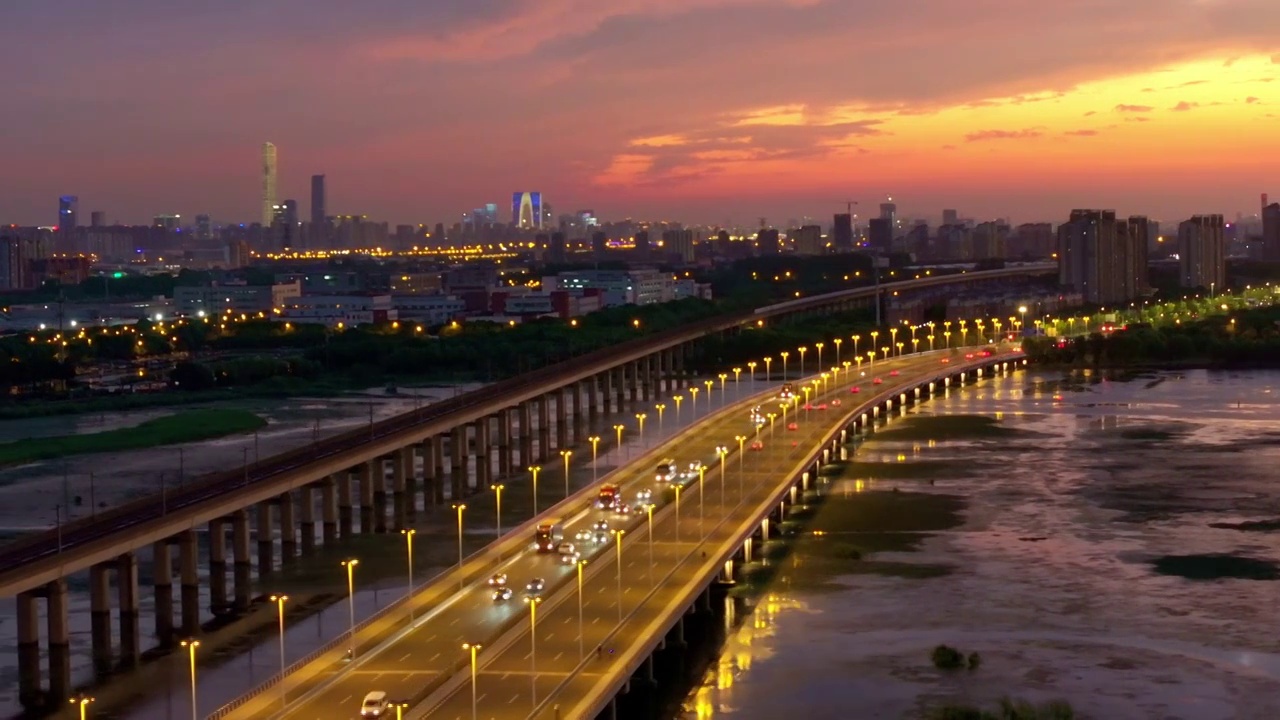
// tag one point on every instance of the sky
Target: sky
(702, 111)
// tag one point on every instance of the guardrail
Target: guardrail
(635, 654)
(509, 546)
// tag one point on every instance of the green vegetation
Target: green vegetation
(188, 426)
(945, 657)
(1008, 710)
(1216, 567)
(950, 427)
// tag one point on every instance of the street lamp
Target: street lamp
(771, 416)
(741, 439)
(408, 546)
(350, 565)
(534, 469)
(678, 399)
(819, 346)
(837, 341)
(497, 491)
(677, 487)
(802, 350)
(533, 647)
(930, 336)
(459, 507)
(640, 418)
(768, 362)
(660, 407)
(702, 473)
(752, 367)
(722, 451)
(566, 454)
(784, 354)
(582, 655)
(855, 339)
(279, 600)
(737, 373)
(83, 701)
(693, 402)
(723, 377)
(893, 335)
(400, 708)
(617, 539)
(472, 648)
(191, 646)
(595, 445)
(648, 508)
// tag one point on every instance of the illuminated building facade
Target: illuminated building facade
(268, 183)
(526, 210)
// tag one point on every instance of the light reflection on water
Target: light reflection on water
(1051, 580)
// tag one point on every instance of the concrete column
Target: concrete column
(59, 643)
(364, 477)
(544, 428)
(619, 386)
(458, 470)
(606, 390)
(29, 691)
(579, 419)
(437, 469)
(562, 419)
(401, 469)
(189, 577)
(644, 374)
(593, 399)
(127, 589)
(162, 579)
(307, 504)
(329, 511)
(243, 569)
(377, 470)
(217, 567)
(632, 373)
(506, 466)
(484, 454)
(346, 513)
(99, 619)
(266, 540)
(288, 529)
(411, 480)
(664, 372)
(526, 434)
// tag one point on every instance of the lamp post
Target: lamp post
(837, 342)
(566, 454)
(930, 342)
(534, 469)
(784, 355)
(617, 539)
(279, 600)
(678, 487)
(771, 416)
(533, 648)
(679, 399)
(408, 546)
(855, 339)
(893, 337)
(497, 491)
(191, 646)
(400, 708)
(899, 346)
(595, 445)
(648, 508)
(752, 367)
(722, 451)
(459, 507)
(693, 401)
(640, 419)
(768, 362)
(723, 377)
(472, 649)
(819, 346)
(581, 626)
(660, 407)
(350, 566)
(737, 375)
(83, 701)
(802, 350)
(741, 484)
(702, 473)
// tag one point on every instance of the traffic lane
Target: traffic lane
(472, 616)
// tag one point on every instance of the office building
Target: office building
(989, 240)
(14, 273)
(97, 219)
(289, 225)
(68, 209)
(170, 223)
(808, 240)
(1202, 251)
(340, 310)
(214, 298)
(558, 252)
(842, 232)
(268, 183)
(1271, 232)
(1032, 241)
(526, 210)
(317, 201)
(889, 211)
(880, 234)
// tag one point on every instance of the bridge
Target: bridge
(444, 452)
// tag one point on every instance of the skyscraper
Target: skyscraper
(97, 219)
(842, 232)
(880, 234)
(317, 201)
(526, 210)
(889, 211)
(1271, 232)
(68, 207)
(808, 240)
(1099, 257)
(950, 217)
(268, 182)
(1202, 252)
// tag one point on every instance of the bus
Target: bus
(547, 536)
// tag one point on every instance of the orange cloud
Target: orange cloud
(1134, 108)
(983, 135)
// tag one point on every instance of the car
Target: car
(757, 445)
(893, 373)
(601, 538)
(877, 381)
(946, 361)
(601, 526)
(498, 579)
(807, 406)
(570, 559)
(968, 356)
(374, 705)
(501, 593)
(820, 406)
(986, 353)
(694, 467)
(583, 536)
(644, 495)
(793, 426)
(622, 510)
(835, 403)
(855, 390)
(534, 588)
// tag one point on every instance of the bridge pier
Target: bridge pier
(288, 529)
(189, 581)
(243, 568)
(364, 479)
(127, 589)
(480, 444)
(579, 420)
(328, 511)
(544, 428)
(506, 462)
(266, 539)
(307, 506)
(346, 508)
(60, 642)
(162, 590)
(606, 390)
(562, 418)
(593, 399)
(401, 471)
(526, 433)
(30, 693)
(217, 566)
(619, 388)
(632, 371)
(378, 477)
(458, 462)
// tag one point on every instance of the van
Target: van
(374, 705)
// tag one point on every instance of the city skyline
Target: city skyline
(1001, 110)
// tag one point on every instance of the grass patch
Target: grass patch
(182, 427)
(1249, 526)
(1216, 567)
(950, 427)
(1008, 710)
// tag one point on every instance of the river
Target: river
(1092, 544)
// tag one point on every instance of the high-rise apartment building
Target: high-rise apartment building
(1133, 234)
(1097, 257)
(1202, 252)
(767, 242)
(679, 243)
(808, 240)
(317, 201)
(989, 241)
(97, 219)
(950, 217)
(842, 233)
(880, 234)
(204, 228)
(1271, 232)
(268, 183)
(889, 211)
(641, 243)
(289, 225)
(68, 207)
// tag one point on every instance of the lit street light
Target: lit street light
(534, 469)
(660, 407)
(767, 363)
(595, 445)
(408, 546)
(752, 367)
(722, 451)
(497, 491)
(581, 627)
(640, 418)
(459, 507)
(617, 539)
(279, 600)
(678, 399)
(83, 701)
(350, 565)
(191, 646)
(693, 403)
(533, 647)
(618, 430)
(566, 454)
(472, 649)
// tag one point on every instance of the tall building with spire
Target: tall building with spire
(268, 183)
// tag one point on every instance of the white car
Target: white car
(375, 705)
(501, 593)
(583, 536)
(534, 588)
(644, 495)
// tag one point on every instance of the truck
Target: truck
(608, 496)
(547, 536)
